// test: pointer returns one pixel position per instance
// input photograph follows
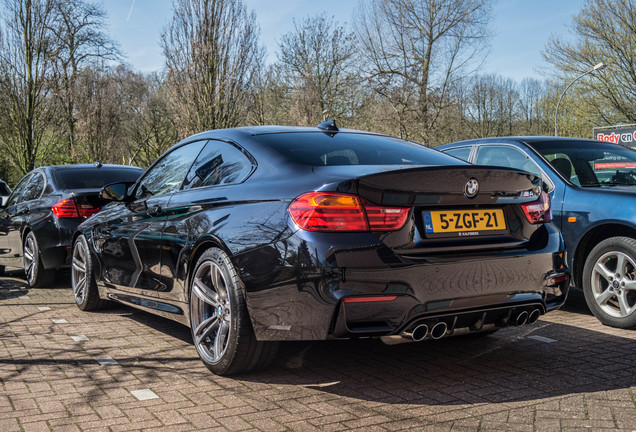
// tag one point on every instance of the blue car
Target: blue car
(592, 185)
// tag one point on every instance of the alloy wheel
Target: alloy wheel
(614, 285)
(78, 273)
(210, 312)
(29, 257)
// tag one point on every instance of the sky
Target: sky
(520, 29)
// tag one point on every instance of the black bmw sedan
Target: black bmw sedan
(592, 186)
(41, 214)
(255, 235)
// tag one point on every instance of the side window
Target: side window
(510, 157)
(17, 192)
(219, 163)
(168, 173)
(34, 187)
(562, 163)
(462, 153)
(506, 156)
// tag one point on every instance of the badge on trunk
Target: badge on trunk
(472, 188)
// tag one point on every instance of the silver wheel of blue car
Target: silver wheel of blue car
(220, 324)
(82, 279)
(609, 282)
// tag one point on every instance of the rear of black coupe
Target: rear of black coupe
(328, 234)
(418, 252)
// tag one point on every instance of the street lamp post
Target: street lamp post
(598, 67)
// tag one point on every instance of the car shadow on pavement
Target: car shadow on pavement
(525, 363)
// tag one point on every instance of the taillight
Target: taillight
(538, 211)
(334, 212)
(69, 209)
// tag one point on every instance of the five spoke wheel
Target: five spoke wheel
(221, 328)
(613, 284)
(211, 312)
(609, 281)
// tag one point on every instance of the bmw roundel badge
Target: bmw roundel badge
(472, 188)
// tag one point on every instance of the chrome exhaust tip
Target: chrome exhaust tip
(521, 319)
(439, 330)
(419, 333)
(534, 316)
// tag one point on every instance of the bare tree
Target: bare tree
(212, 53)
(79, 38)
(604, 30)
(153, 130)
(415, 49)
(25, 71)
(316, 59)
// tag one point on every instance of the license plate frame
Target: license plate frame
(464, 222)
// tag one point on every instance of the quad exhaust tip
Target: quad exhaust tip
(419, 333)
(439, 330)
(534, 316)
(521, 319)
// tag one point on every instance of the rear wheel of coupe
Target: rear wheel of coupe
(82, 279)
(221, 328)
(37, 276)
(609, 282)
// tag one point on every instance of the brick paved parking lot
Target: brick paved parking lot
(123, 370)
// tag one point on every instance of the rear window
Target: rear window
(322, 149)
(94, 178)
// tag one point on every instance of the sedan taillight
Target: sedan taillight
(538, 211)
(68, 208)
(336, 212)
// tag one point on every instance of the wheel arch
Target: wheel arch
(590, 240)
(199, 248)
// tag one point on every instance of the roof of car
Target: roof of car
(85, 166)
(528, 139)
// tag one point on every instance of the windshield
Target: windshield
(590, 164)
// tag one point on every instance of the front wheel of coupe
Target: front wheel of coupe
(609, 282)
(82, 280)
(221, 328)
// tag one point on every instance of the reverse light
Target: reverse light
(336, 212)
(68, 208)
(538, 211)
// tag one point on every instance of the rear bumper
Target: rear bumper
(310, 296)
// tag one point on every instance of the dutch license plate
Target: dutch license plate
(464, 222)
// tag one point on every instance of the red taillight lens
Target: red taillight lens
(69, 209)
(334, 212)
(538, 211)
(87, 210)
(65, 209)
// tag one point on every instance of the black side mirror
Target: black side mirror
(115, 192)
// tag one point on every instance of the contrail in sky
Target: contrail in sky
(131, 9)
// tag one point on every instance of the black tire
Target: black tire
(219, 321)
(1, 270)
(83, 283)
(36, 275)
(609, 282)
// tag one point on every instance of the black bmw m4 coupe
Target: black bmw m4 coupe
(256, 235)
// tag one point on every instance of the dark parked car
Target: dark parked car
(592, 185)
(39, 218)
(5, 191)
(263, 234)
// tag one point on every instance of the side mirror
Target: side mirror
(115, 192)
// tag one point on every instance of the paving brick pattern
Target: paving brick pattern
(582, 377)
